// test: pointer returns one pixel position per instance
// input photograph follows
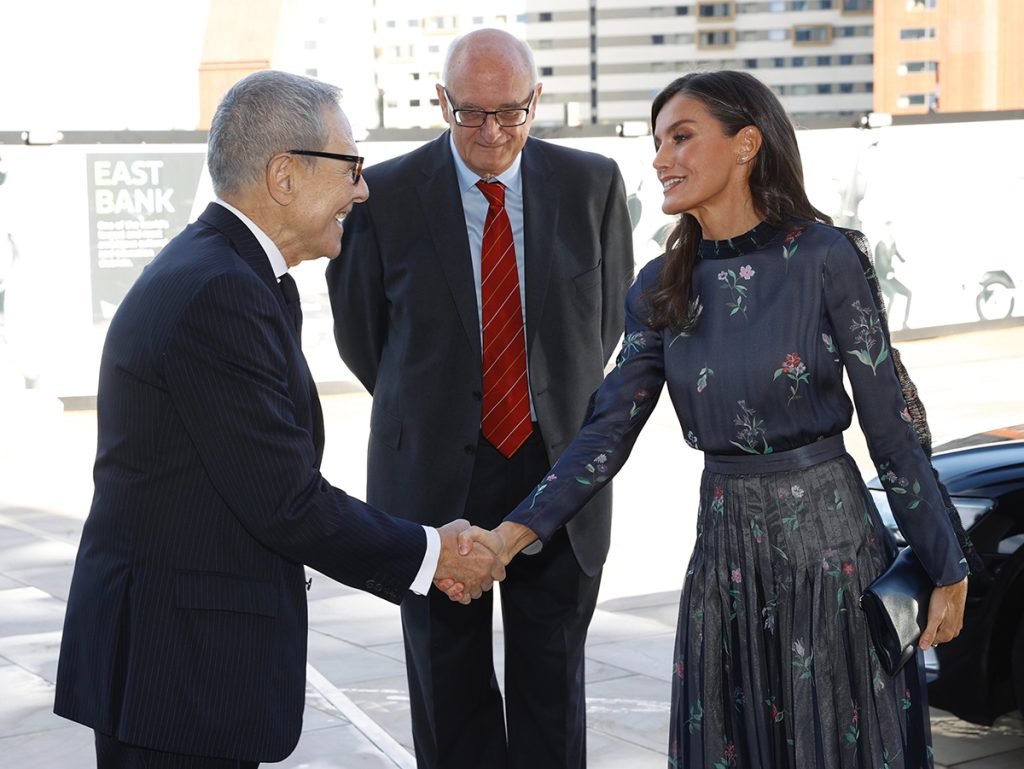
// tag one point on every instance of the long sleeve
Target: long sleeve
(903, 467)
(618, 411)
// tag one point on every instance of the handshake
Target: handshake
(473, 559)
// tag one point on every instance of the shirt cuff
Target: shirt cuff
(425, 576)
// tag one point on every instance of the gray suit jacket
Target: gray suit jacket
(406, 320)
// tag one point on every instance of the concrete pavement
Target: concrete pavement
(357, 712)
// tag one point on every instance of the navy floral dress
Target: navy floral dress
(773, 665)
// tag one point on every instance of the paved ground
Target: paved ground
(357, 712)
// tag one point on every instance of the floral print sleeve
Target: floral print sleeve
(618, 411)
(862, 341)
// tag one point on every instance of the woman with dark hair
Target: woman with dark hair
(751, 318)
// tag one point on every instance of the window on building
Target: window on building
(907, 67)
(435, 102)
(390, 23)
(310, 45)
(547, 71)
(718, 38)
(817, 34)
(545, 45)
(777, 7)
(716, 10)
(922, 5)
(778, 62)
(657, 40)
(311, 72)
(912, 100)
(848, 31)
(917, 33)
(522, 18)
(798, 61)
(798, 5)
(682, 10)
(414, 23)
(846, 88)
(434, 49)
(478, 19)
(750, 63)
(777, 35)
(414, 102)
(391, 104)
(824, 88)
(415, 75)
(845, 59)
(858, 6)
(545, 16)
(824, 61)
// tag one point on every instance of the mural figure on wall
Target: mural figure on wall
(885, 252)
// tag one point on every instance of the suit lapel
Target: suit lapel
(448, 230)
(245, 243)
(540, 215)
(252, 253)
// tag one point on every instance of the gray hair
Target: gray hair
(492, 41)
(261, 115)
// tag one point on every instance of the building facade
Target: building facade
(601, 61)
(948, 56)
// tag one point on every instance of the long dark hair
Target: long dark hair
(736, 100)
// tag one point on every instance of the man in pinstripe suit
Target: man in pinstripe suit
(185, 636)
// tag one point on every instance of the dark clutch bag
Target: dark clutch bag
(896, 607)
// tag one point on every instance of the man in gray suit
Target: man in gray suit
(464, 239)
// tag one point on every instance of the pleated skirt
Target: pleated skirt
(773, 665)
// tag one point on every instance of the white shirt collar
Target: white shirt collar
(277, 262)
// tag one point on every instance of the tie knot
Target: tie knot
(291, 291)
(494, 192)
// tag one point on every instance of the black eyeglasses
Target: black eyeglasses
(506, 118)
(357, 169)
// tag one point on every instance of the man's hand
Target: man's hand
(945, 614)
(505, 541)
(465, 572)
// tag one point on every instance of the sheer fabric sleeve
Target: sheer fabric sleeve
(618, 410)
(915, 407)
(862, 337)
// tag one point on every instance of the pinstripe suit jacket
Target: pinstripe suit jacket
(186, 621)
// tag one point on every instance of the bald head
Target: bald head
(491, 48)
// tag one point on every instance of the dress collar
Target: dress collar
(750, 241)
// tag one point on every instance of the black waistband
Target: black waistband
(779, 461)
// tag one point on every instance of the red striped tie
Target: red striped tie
(506, 415)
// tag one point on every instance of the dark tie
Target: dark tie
(291, 296)
(506, 402)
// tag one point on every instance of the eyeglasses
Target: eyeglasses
(506, 118)
(357, 169)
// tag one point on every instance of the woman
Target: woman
(751, 318)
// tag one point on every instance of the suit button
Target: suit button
(470, 449)
(477, 395)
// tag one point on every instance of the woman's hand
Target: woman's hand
(504, 541)
(945, 614)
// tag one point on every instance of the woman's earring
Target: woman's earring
(742, 159)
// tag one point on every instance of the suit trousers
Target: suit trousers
(114, 754)
(547, 603)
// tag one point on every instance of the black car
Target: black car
(980, 675)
